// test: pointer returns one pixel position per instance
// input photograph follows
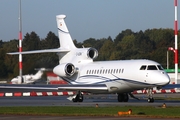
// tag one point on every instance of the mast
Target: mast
(20, 41)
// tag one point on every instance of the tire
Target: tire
(150, 100)
(126, 97)
(120, 98)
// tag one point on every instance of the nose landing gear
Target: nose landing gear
(150, 95)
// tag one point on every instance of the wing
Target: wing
(171, 86)
(40, 51)
(92, 88)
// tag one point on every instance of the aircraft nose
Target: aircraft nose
(13, 80)
(161, 78)
(165, 79)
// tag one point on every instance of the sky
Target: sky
(85, 18)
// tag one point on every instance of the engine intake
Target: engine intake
(65, 70)
(92, 53)
(69, 69)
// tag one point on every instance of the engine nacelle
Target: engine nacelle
(92, 53)
(65, 70)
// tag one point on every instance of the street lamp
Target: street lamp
(169, 49)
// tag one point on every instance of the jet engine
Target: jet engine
(65, 70)
(92, 53)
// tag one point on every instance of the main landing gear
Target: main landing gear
(123, 97)
(78, 97)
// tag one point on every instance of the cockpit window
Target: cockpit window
(143, 67)
(160, 67)
(152, 67)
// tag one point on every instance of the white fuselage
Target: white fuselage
(121, 76)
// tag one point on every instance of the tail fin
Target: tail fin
(64, 35)
(39, 73)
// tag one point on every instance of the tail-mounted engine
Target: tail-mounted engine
(92, 53)
(65, 70)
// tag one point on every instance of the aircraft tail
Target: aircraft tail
(39, 73)
(65, 39)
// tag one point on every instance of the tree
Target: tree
(122, 34)
(3, 69)
(106, 50)
(51, 41)
(31, 41)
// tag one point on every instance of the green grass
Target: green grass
(92, 111)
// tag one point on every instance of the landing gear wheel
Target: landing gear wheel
(78, 98)
(74, 99)
(150, 100)
(123, 97)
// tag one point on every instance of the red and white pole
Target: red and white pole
(20, 42)
(176, 42)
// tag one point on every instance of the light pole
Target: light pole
(167, 60)
(176, 71)
(20, 42)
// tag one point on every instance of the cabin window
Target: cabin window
(152, 67)
(122, 70)
(119, 70)
(116, 70)
(106, 71)
(111, 71)
(143, 67)
(89, 71)
(94, 71)
(97, 71)
(103, 71)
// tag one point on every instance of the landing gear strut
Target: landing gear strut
(78, 98)
(123, 97)
(150, 95)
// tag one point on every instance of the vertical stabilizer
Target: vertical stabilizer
(39, 74)
(64, 36)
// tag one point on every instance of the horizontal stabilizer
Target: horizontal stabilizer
(40, 51)
(94, 88)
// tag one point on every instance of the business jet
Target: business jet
(28, 79)
(78, 68)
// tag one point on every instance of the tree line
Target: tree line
(149, 44)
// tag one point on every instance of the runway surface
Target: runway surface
(89, 100)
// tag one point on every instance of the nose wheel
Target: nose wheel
(150, 95)
(150, 100)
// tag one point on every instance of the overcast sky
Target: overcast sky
(85, 18)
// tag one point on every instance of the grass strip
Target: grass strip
(172, 112)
